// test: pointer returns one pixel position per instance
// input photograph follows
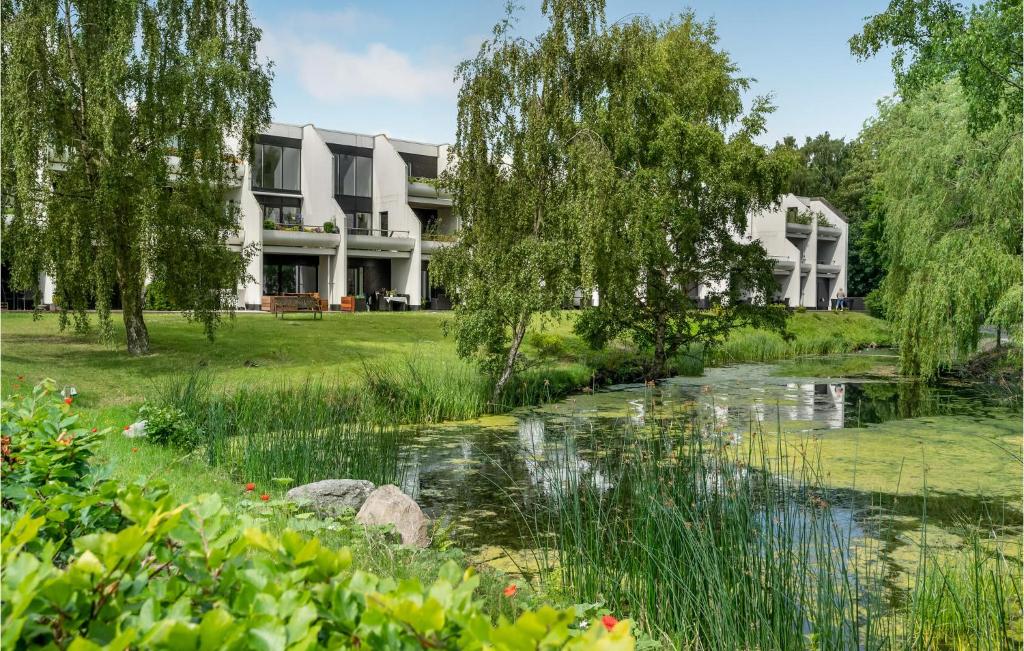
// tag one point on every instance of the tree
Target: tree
(952, 205)
(116, 127)
(668, 173)
(518, 108)
(856, 197)
(823, 161)
(936, 39)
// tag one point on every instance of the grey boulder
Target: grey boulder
(332, 496)
(389, 505)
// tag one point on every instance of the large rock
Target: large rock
(389, 505)
(332, 496)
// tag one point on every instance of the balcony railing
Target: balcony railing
(377, 232)
(296, 225)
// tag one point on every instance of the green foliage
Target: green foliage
(663, 179)
(156, 297)
(168, 425)
(708, 553)
(517, 111)
(46, 472)
(196, 576)
(822, 163)
(107, 106)
(933, 40)
(953, 221)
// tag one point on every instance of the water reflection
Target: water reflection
(488, 478)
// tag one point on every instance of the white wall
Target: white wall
(390, 193)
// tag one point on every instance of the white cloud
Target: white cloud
(302, 50)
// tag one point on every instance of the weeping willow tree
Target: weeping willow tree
(118, 122)
(952, 203)
(519, 110)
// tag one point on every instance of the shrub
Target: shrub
(548, 345)
(330, 227)
(168, 425)
(195, 576)
(269, 225)
(46, 472)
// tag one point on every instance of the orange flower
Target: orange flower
(264, 497)
(94, 430)
(127, 427)
(65, 438)
(510, 590)
(67, 401)
(609, 622)
(134, 450)
(250, 487)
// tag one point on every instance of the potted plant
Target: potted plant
(330, 227)
(269, 225)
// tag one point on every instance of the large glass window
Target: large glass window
(359, 223)
(276, 167)
(289, 275)
(353, 175)
(282, 210)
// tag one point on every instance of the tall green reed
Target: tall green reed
(680, 532)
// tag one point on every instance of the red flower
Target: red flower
(510, 590)
(94, 429)
(609, 622)
(67, 401)
(264, 497)
(250, 487)
(127, 427)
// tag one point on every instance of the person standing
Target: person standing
(840, 300)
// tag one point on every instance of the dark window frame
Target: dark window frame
(256, 168)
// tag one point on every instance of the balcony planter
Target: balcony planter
(301, 238)
(433, 246)
(798, 230)
(379, 243)
(828, 233)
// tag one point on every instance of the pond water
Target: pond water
(890, 450)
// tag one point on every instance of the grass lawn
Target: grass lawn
(258, 349)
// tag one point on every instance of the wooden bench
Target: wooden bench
(281, 305)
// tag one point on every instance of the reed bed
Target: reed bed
(673, 528)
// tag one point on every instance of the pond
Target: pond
(893, 453)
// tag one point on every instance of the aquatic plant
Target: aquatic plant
(681, 533)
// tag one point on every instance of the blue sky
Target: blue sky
(386, 67)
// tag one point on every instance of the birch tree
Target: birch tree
(116, 124)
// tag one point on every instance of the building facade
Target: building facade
(808, 240)
(350, 215)
(344, 215)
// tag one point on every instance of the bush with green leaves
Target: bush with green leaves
(46, 471)
(198, 576)
(169, 425)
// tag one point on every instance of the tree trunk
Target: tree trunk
(660, 355)
(134, 326)
(510, 360)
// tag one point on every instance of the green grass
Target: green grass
(813, 333)
(875, 364)
(258, 349)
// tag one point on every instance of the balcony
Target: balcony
(375, 239)
(294, 233)
(828, 232)
(828, 270)
(783, 263)
(424, 194)
(794, 229)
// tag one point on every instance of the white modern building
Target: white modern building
(344, 215)
(807, 238)
(356, 219)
